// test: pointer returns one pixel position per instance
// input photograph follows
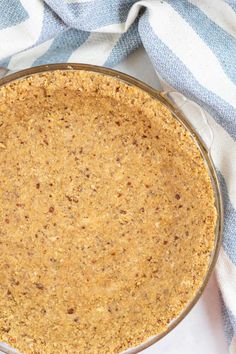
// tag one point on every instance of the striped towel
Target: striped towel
(192, 45)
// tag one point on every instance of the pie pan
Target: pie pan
(168, 100)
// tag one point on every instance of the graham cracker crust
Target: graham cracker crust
(107, 215)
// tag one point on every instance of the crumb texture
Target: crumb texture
(107, 215)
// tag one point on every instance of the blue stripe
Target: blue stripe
(11, 13)
(229, 240)
(127, 44)
(92, 15)
(173, 71)
(52, 25)
(222, 44)
(228, 320)
(232, 3)
(63, 46)
(5, 62)
(232, 318)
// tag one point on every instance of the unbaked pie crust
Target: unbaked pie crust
(107, 215)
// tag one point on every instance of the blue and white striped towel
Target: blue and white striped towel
(192, 45)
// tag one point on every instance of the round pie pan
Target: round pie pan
(168, 101)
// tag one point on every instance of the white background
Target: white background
(201, 332)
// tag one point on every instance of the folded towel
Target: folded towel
(192, 45)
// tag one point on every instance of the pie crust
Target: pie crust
(107, 214)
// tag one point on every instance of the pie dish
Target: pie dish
(109, 213)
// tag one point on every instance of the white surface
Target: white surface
(201, 332)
